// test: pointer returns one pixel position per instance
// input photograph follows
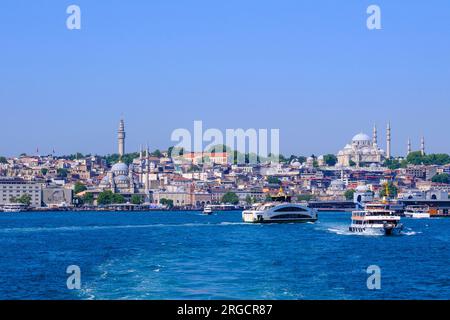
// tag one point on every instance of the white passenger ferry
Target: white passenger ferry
(376, 218)
(275, 212)
(13, 207)
(208, 210)
(417, 212)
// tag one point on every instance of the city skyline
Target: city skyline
(312, 71)
(122, 133)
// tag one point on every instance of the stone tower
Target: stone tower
(388, 141)
(375, 136)
(121, 138)
(422, 146)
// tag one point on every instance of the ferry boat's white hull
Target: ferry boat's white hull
(381, 230)
(12, 210)
(417, 215)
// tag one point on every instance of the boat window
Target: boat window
(290, 216)
(291, 209)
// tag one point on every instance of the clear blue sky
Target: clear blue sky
(310, 68)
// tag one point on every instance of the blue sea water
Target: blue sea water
(187, 255)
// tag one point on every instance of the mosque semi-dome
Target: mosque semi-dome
(121, 179)
(105, 181)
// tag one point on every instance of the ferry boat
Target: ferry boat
(418, 212)
(208, 210)
(279, 213)
(13, 207)
(376, 218)
(279, 210)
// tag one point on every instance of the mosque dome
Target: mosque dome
(362, 189)
(121, 179)
(337, 183)
(120, 167)
(105, 181)
(361, 137)
(296, 163)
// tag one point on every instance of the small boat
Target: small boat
(14, 207)
(376, 218)
(207, 210)
(417, 212)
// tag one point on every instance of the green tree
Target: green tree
(3, 160)
(274, 180)
(349, 194)
(157, 153)
(136, 199)
(249, 200)
(117, 199)
(194, 168)
(115, 158)
(24, 199)
(166, 202)
(219, 148)
(62, 172)
(415, 158)
(352, 163)
(315, 163)
(330, 159)
(393, 190)
(394, 164)
(304, 197)
(441, 178)
(79, 187)
(44, 171)
(88, 198)
(105, 198)
(175, 152)
(437, 159)
(230, 197)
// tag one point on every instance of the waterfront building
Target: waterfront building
(363, 194)
(14, 188)
(336, 189)
(421, 171)
(183, 197)
(54, 197)
(220, 158)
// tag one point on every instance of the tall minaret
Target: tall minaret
(147, 171)
(388, 141)
(409, 147)
(422, 146)
(375, 136)
(121, 138)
